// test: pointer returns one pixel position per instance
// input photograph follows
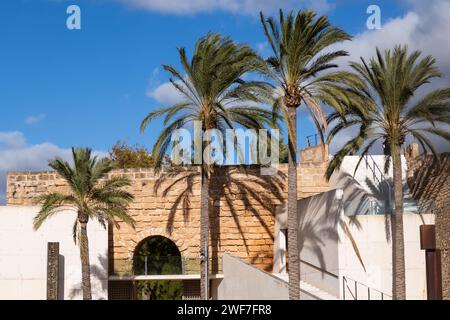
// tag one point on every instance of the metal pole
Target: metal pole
(207, 273)
(145, 266)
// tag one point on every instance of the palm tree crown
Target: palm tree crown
(387, 111)
(213, 91)
(105, 201)
(301, 63)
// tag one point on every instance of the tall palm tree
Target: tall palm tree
(90, 198)
(388, 112)
(215, 95)
(300, 65)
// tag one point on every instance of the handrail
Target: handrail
(345, 280)
(319, 269)
(355, 293)
(383, 177)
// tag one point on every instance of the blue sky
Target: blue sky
(91, 87)
(88, 86)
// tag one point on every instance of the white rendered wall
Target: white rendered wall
(23, 255)
(357, 247)
(372, 237)
(243, 281)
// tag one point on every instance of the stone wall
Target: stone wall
(168, 204)
(429, 182)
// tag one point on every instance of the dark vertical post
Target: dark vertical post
(433, 261)
(52, 270)
(343, 286)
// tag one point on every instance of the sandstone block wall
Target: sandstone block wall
(429, 182)
(168, 204)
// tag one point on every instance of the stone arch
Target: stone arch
(152, 232)
(157, 255)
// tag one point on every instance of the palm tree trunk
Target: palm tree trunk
(398, 247)
(84, 255)
(204, 234)
(293, 254)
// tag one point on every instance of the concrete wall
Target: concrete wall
(318, 241)
(369, 236)
(23, 255)
(242, 281)
(357, 247)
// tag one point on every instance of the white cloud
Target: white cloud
(424, 28)
(35, 119)
(245, 7)
(166, 94)
(17, 155)
(12, 140)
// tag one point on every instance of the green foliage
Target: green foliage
(125, 157)
(386, 111)
(160, 289)
(301, 62)
(162, 257)
(91, 197)
(213, 91)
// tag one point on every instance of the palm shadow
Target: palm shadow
(233, 189)
(98, 272)
(428, 180)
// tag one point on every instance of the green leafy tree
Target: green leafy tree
(214, 94)
(387, 112)
(300, 65)
(90, 197)
(125, 157)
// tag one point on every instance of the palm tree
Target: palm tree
(90, 198)
(215, 95)
(387, 112)
(300, 66)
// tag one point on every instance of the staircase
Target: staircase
(309, 289)
(351, 290)
(316, 292)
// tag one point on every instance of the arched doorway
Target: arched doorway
(157, 255)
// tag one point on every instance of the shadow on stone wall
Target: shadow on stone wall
(233, 189)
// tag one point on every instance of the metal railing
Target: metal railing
(149, 265)
(313, 137)
(374, 168)
(367, 206)
(355, 291)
